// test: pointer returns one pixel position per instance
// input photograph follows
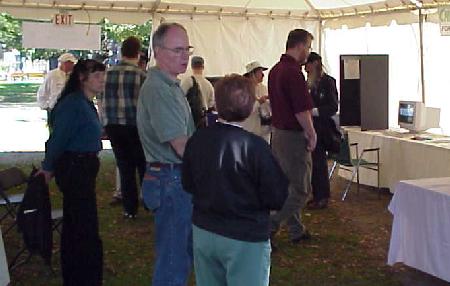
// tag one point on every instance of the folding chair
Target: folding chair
(344, 161)
(10, 179)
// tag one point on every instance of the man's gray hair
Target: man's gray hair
(160, 33)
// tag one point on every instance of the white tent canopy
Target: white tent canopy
(137, 12)
(231, 33)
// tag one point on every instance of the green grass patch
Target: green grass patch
(18, 92)
(348, 246)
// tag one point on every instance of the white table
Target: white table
(420, 235)
(401, 158)
(4, 273)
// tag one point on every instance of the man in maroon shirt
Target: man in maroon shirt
(293, 135)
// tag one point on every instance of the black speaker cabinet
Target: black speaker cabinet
(364, 91)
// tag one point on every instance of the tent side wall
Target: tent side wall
(227, 44)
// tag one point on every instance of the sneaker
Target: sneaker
(129, 216)
(305, 236)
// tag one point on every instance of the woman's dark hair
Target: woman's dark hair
(81, 70)
(235, 97)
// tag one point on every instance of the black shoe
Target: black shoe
(305, 236)
(115, 201)
(310, 202)
(273, 246)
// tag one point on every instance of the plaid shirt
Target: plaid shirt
(118, 102)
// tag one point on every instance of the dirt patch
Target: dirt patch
(367, 214)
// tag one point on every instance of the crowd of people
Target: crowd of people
(219, 192)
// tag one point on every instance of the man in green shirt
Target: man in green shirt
(165, 124)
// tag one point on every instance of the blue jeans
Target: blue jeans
(162, 192)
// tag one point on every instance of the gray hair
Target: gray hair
(160, 33)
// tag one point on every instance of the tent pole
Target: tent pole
(320, 36)
(422, 79)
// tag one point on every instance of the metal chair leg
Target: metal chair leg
(14, 263)
(349, 184)
(332, 170)
(378, 179)
(357, 179)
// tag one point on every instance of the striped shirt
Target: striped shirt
(118, 103)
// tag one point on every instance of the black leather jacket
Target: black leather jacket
(235, 182)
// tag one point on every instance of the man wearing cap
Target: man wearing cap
(48, 93)
(293, 134)
(206, 88)
(165, 123)
(261, 113)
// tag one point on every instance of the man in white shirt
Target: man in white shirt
(206, 88)
(48, 93)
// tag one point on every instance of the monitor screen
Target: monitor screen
(406, 113)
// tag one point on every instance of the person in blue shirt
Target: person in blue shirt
(71, 156)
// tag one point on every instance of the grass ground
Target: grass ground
(18, 92)
(349, 244)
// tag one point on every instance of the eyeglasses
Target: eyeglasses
(179, 51)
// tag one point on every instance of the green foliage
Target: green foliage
(118, 33)
(10, 32)
(11, 36)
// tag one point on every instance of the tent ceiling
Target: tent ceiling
(133, 11)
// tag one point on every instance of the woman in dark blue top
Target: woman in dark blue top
(71, 156)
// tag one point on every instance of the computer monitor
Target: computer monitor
(414, 116)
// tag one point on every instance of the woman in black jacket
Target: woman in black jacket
(325, 97)
(235, 182)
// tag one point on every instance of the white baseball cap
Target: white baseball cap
(252, 66)
(67, 57)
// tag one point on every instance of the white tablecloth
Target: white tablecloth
(420, 235)
(401, 158)
(4, 273)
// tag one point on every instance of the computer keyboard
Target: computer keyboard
(396, 134)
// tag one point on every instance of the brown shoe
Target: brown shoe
(322, 204)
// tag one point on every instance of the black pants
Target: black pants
(130, 158)
(81, 247)
(319, 180)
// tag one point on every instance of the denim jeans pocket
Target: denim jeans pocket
(151, 191)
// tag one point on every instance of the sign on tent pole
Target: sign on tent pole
(444, 19)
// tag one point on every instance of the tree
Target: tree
(10, 32)
(11, 36)
(118, 33)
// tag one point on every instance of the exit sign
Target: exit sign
(63, 19)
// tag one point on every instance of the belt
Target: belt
(82, 154)
(164, 165)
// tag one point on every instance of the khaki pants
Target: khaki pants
(289, 147)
